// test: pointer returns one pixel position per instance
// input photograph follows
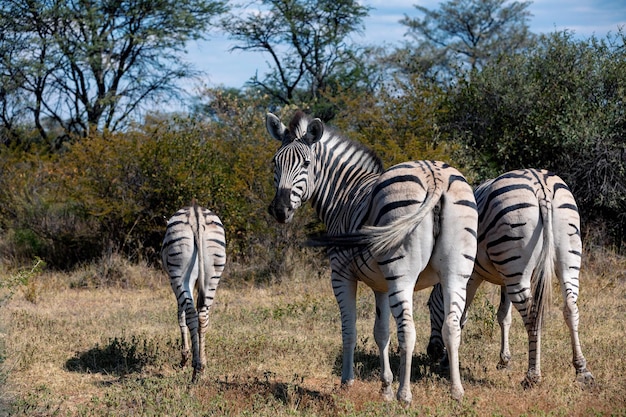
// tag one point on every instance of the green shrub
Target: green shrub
(559, 106)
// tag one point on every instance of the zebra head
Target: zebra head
(293, 170)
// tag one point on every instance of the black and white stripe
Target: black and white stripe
(528, 231)
(194, 256)
(398, 230)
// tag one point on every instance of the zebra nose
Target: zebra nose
(280, 212)
(280, 208)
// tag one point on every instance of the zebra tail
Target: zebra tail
(383, 239)
(198, 230)
(541, 279)
(355, 239)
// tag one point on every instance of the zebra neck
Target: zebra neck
(346, 172)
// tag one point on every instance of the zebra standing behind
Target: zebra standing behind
(417, 219)
(528, 231)
(194, 255)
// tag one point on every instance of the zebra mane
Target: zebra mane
(298, 129)
(297, 126)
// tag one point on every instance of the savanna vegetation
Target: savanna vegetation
(275, 349)
(89, 173)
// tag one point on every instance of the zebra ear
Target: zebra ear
(275, 127)
(314, 131)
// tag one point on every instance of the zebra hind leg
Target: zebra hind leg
(570, 312)
(533, 375)
(504, 320)
(203, 324)
(184, 335)
(191, 316)
(382, 335)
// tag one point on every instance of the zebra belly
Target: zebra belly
(364, 268)
(485, 270)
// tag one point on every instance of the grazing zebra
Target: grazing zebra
(418, 219)
(194, 255)
(528, 231)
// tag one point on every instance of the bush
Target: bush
(560, 107)
(113, 193)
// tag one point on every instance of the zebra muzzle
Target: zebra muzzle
(280, 208)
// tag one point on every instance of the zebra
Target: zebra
(528, 231)
(419, 222)
(193, 254)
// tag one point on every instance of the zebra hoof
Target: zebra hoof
(197, 371)
(347, 384)
(435, 351)
(386, 393)
(585, 379)
(404, 399)
(457, 393)
(503, 364)
(184, 359)
(531, 380)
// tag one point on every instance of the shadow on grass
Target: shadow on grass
(367, 366)
(119, 357)
(290, 394)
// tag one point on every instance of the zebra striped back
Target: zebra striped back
(397, 230)
(193, 254)
(528, 232)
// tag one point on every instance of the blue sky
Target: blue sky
(232, 69)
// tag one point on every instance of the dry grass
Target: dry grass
(72, 347)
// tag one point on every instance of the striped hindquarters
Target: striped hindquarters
(516, 234)
(528, 230)
(406, 193)
(194, 233)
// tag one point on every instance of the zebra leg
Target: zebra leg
(519, 294)
(570, 313)
(381, 335)
(203, 323)
(569, 252)
(184, 333)
(533, 375)
(504, 320)
(436, 350)
(436, 306)
(401, 301)
(345, 294)
(191, 319)
(451, 332)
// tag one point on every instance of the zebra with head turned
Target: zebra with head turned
(194, 256)
(528, 231)
(417, 219)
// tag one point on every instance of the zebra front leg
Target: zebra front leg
(345, 294)
(184, 335)
(504, 320)
(381, 335)
(401, 302)
(436, 350)
(571, 315)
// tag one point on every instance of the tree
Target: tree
(307, 44)
(462, 36)
(559, 107)
(84, 65)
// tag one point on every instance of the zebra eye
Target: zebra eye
(306, 163)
